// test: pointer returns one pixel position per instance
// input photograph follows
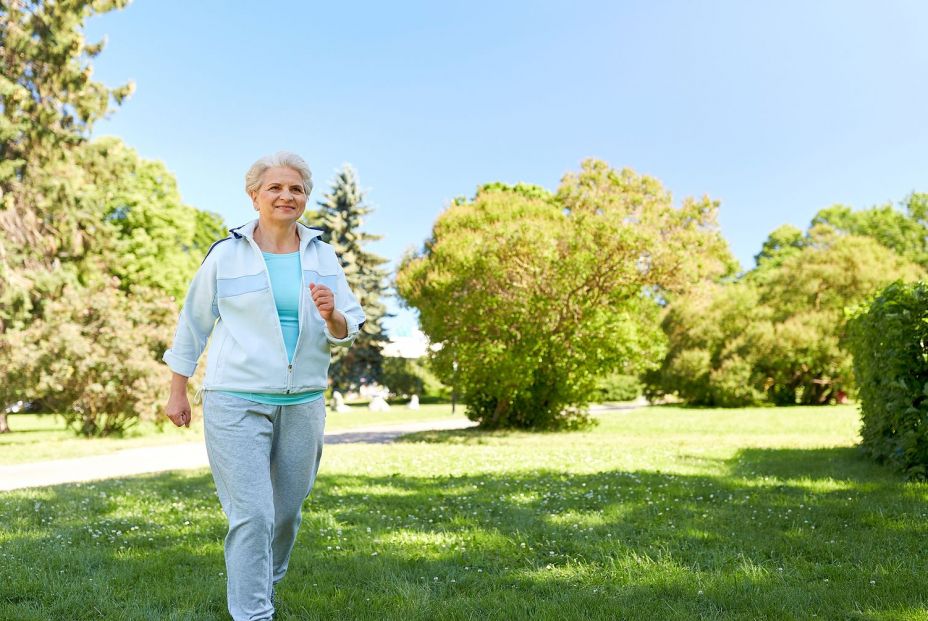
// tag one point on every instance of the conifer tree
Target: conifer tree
(341, 216)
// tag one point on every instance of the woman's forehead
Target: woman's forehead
(281, 174)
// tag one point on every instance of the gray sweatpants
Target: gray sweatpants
(264, 460)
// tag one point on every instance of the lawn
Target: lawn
(660, 513)
(38, 437)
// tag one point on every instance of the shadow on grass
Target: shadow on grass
(845, 463)
(780, 533)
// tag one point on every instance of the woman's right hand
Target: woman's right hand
(178, 409)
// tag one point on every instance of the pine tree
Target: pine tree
(341, 215)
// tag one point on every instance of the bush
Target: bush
(94, 357)
(888, 340)
(617, 387)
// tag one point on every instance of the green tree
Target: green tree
(534, 296)
(49, 104)
(341, 216)
(709, 359)
(784, 242)
(93, 240)
(777, 334)
(151, 239)
(406, 377)
(906, 232)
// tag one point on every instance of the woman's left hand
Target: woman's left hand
(324, 300)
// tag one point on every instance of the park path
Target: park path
(186, 456)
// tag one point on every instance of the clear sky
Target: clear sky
(776, 109)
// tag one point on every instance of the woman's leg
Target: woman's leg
(297, 449)
(239, 435)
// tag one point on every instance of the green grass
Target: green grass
(662, 513)
(39, 437)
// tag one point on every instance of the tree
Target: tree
(533, 296)
(784, 242)
(150, 238)
(47, 106)
(906, 233)
(94, 356)
(82, 224)
(341, 216)
(49, 103)
(709, 359)
(778, 333)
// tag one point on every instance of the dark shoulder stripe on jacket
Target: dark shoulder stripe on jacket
(215, 243)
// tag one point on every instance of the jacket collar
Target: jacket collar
(306, 233)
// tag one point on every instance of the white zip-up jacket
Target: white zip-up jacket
(230, 298)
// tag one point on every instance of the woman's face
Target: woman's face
(280, 197)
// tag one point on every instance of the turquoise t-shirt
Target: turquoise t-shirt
(286, 280)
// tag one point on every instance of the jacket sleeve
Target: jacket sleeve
(347, 304)
(196, 321)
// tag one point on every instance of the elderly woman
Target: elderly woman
(274, 299)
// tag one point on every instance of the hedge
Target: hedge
(889, 342)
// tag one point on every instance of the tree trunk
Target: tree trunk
(4, 425)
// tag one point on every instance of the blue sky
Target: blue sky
(776, 109)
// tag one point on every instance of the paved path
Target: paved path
(184, 456)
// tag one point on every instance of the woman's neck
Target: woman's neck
(277, 239)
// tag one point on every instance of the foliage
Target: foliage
(785, 241)
(617, 387)
(94, 356)
(534, 295)
(906, 233)
(48, 105)
(84, 227)
(407, 377)
(341, 217)
(889, 339)
(149, 237)
(775, 335)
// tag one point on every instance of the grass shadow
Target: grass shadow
(843, 463)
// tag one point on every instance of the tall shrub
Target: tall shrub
(534, 296)
(889, 340)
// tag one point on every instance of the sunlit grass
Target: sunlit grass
(662, 513)
(39, 437)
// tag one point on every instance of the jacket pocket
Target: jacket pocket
(231, 287)
(314, 277)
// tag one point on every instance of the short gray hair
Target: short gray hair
(279, 159)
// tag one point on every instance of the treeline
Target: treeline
(778, 333)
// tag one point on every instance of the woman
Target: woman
(272, 298)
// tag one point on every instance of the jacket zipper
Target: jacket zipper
(299, 334)
(270, 287)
